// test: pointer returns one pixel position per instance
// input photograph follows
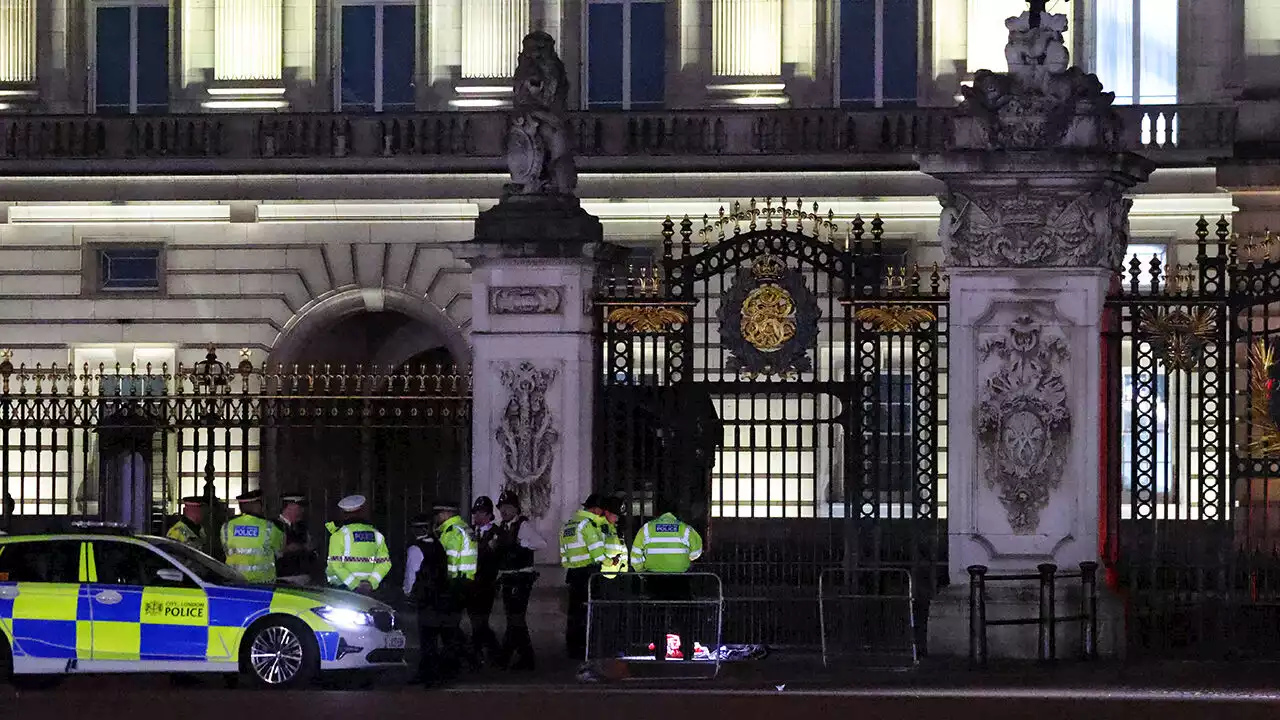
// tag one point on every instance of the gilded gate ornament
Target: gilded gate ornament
(769, 319)
(647, 318)
(1179, 336)
(1024, 422)
(1264, 431)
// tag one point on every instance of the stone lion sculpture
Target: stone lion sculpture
(539, 153)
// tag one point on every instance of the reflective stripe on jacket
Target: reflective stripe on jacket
(357, 553)
(251, 543)
(581, 543)
(665, 545)
(459, 548)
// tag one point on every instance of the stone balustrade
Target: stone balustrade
(460, 141)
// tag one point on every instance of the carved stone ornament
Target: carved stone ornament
(524, 300)
(527, 435)
(539, 153)
(769, 320)
(1024, 422)
(1041, 102)
(1022, 228)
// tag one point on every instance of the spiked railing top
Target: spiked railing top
(785, 215)
(282, 382)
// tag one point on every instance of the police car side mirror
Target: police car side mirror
(170, 575)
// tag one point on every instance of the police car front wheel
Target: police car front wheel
(280, 653)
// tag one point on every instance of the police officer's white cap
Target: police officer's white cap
(351, 503)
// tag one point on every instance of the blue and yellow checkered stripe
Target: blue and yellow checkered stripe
(62, 621)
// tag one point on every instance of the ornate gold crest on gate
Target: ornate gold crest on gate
(1264, 431)
(769, 319)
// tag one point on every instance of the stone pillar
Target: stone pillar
(17, 52)
(1034, 220)
(534, 260)
(248, 55)
(491, 33)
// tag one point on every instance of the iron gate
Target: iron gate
(782, 381)
(124, 444)
(1193, 533)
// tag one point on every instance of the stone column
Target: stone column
(248, 55)
(534, 260)
(1034, 219)
(17, 51)
(491, 33)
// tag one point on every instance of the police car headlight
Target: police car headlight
(344, 617)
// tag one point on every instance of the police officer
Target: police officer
(460, 569)
(188, 528)
(359, 559)
(484, 643)
(581, 555)
(517, 540)
(615, 548)
(667, 546)
(251, 541)
(296, 562)
(426, 580)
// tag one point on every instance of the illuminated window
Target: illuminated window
(1138, 50)
(626, 54)
(378, 49)
(878, 42)
(987, 34)
(131, 56)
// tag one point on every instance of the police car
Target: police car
(102, 600)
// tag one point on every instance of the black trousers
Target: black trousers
(479, 607)
(675, 618)
(441, 642)
(575, 631)
(517, 647)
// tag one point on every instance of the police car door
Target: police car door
(144, 607)
(40, 594)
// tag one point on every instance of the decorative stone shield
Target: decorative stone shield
(1024, 422)
(769, 319)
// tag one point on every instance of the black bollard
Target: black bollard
(1089, 610)
(977, 615)
(1048, 632)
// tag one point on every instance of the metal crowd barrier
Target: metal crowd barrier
(631, 615)
(1047, 620)
(867, 616)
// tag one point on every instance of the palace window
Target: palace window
(130, 72)
(378, 48)
(625, 54)
(1137, 55)
(124, 268)
(878, 45)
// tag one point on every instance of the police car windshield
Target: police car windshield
(202, 566)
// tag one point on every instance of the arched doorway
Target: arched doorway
(371, 397)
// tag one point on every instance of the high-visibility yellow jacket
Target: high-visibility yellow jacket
(187, 533)
(615, 549)
(665, 545)
(357, 553)
(251, 545)
(461, 553)
(581, 542)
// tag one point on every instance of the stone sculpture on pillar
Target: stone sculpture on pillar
(1034, 221)
(538, 148)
